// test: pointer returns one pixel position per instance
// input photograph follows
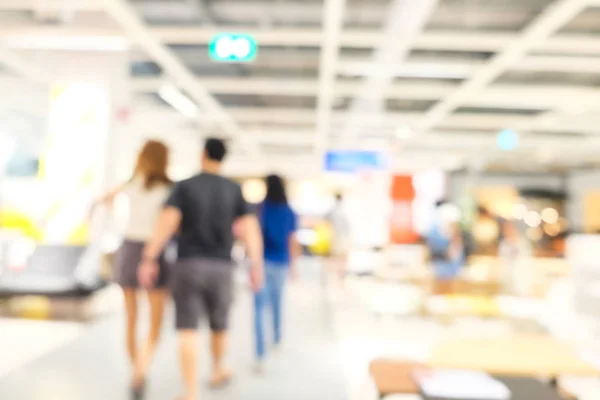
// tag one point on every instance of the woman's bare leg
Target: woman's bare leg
(131, 311)
(156, 299)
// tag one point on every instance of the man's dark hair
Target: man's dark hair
(275, 190)
(215, 149)
(338, 197)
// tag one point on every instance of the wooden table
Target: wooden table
(529, 356)
(513, 356)
(393, 377)
(522, 389)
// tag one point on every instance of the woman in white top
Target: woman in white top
(147, 191)
(340, 241)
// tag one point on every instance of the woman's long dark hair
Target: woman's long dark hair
(275, 190)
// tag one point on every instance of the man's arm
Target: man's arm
(252, 237)
(166, 227)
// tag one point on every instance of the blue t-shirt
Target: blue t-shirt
(278, 223)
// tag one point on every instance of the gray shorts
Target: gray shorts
(202, 288)
(128, 259)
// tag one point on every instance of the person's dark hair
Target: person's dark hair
(484, 212)
(338, 197)
(215, 149)
(275, 190)
(441, 202)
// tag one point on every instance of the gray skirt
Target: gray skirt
(128, 259)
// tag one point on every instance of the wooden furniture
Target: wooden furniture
(517, 359)
(529, 356)
(522, 389)
(393, 377)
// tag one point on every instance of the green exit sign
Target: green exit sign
(229, 47)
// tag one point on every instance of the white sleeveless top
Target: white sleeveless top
(144, 207)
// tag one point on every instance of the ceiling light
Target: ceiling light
(520, 211)
(535, 234)
(533, 219)
(178, 100)
(550, 216)
(552, 230)
(507, 140)
(403, 132)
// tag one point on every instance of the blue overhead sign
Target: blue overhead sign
(353, 161)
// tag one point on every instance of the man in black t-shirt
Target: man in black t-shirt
(202, 210)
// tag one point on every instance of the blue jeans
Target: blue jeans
(270, 295)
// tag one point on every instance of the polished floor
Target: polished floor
(91, 365)
(331, 336)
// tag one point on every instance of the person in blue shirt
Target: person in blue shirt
(278, 222)
(447, 250)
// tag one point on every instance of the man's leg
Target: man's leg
(218, 300)
(220, 373)
(188, 310)
(188, 355)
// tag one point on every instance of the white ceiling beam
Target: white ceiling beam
(549, 21)
(132, 25)
(559, 64)
(333, 21)
(23, 67)
(415, 67)
(405, 21)
(250, 117)
(366, 38)
(298, 87)
(508, 96)
(55, 5)
(412, 68)
(580, 114)
(563, 44)
(465, 142)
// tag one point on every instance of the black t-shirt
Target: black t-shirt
(209, 205)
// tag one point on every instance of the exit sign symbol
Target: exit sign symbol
(229, 47)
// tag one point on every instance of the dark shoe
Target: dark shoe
(137, 393)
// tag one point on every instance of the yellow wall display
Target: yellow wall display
(324, 236)
(71, 163)
(70, 168)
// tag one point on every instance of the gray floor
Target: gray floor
(94, 367)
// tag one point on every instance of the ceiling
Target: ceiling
(433, 82)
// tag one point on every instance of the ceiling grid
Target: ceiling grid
(471, 69)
